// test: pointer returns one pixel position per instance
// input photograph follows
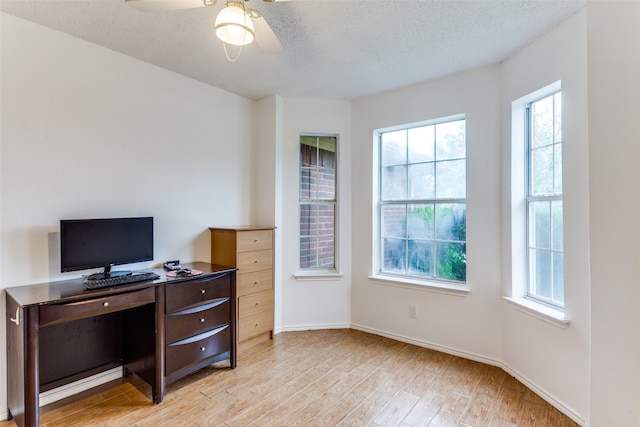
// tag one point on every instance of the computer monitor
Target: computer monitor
(103, 243)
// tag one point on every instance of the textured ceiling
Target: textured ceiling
(337, 49)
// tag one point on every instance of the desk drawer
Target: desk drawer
(183, 295)
(56, 313)
(255, 282)
(249, 262)
(257, 324)
(183, 324)
(254, 240)
(191, 350)
(248, 305)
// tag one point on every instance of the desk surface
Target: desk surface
(74, 289)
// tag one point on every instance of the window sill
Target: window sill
(312, 276)
(441, 288)
(545, 313)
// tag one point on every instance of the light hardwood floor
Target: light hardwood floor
(321, 378)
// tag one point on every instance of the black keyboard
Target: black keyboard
(120, 280)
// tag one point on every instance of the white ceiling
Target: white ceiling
(337, 49)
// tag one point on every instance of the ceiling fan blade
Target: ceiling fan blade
(265, 37)
(158, 5)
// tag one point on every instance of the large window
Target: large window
(422, 201)
(318, 161)
(544, 200)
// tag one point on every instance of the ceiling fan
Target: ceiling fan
(236, 24)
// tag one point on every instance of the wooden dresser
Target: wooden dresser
(249, 249)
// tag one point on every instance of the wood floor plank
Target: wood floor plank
(319, 379)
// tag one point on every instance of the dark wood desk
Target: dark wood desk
(161, 330)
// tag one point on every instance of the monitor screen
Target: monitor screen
(101, 243)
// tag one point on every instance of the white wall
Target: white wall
(614, 151)
(87, 132)
(551, 360)
(315, 303)
(468, 325)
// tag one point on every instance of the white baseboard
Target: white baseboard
(67, 390)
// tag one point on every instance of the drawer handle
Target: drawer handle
(255, 241)
(105, 304)
(203, 291)
(202, 320)
(17, 319)
(203, 348)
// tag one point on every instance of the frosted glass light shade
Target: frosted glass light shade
(233, 25)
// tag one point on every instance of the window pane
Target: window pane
(558, 169)
(394, 220)
(421, 144)
(305, 253)
(420, 222)
(421, 181)
(450, 140)
(307, 184)
(451, 221)
(325, 252)
(394, 183)
(451, 261)
(420, 258)
(540, 225)
(542, 122)
(542, 171)
(326, 219)
(451, 179)
(326, 184)
(541, 273)
(558, 277)
(308, 218)
(557, 225)
(394, 148)
(558, 117)
(394, 255)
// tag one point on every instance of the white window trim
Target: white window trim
(311, 274)
(422, 285)
(378, 277)
(546, 313)
(519, 252)
(315, 275)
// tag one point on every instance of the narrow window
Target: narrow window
(422, 201)
(318, 166)
(544, 200)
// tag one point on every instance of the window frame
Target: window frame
(549, 197)
(315, 272)
(456, 287)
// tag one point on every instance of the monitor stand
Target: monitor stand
(107, 273)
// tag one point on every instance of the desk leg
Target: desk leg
(32, 368)
(22, 364)
(158, 389)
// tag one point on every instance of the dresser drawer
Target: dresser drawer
(249, 305)
(254, 240)
(249, 283)
(249, 262)
(184, 295)
(192, 350)
(255, 325)
(55, 313)
(186, 323)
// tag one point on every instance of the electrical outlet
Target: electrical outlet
(413, 312)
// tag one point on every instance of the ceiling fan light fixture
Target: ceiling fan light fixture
(233, 25)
